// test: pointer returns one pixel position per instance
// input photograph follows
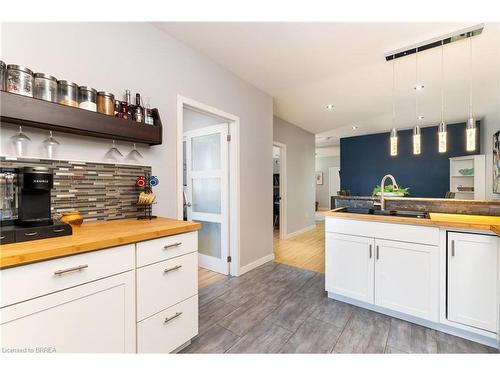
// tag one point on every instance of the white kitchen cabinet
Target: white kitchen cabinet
(406, 278)
(94, 317)
(350, 266)
(472, 288)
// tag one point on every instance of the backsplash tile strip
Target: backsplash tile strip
(100, 191)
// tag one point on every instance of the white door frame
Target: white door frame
(330, 192)
(283, 202)
(234, 173)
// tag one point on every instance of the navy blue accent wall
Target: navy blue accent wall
(364, 160)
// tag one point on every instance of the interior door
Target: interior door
(207, 193)
(334, 181)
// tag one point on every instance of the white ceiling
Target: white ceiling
(306, 66)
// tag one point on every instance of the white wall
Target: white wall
(323, 191)
(300, 185)
(140, 57)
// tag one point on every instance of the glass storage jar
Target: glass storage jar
(67, 93)
(87, 97)
(3, 76)
(105, 103)
(45, 87)
(19, 80)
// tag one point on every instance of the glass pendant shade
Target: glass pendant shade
(471, 130)
(442, 137)
(394, 142)
(416, 140)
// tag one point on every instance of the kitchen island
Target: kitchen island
(441, 271)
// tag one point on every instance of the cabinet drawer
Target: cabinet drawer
(33, 280)
(166, 247)
(166, 283)
(169, 329)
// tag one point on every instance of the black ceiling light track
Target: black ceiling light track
(436, 42)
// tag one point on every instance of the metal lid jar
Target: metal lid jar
(45, 87)
(19, 80)
(3, 76)
(105, 103)
(87, 98)
(67, 93)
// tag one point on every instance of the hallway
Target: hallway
(305, 251)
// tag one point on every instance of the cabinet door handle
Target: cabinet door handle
(176, 315)
(172, 245)
(72, 269)
(30, 234)
(377, 252)
(58, 230)
(370, 251)
(172, 269)
(452, 248)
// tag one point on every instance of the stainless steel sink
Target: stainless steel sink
(371, 211)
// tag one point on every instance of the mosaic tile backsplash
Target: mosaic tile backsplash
(100, 191)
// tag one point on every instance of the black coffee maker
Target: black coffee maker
(35, 185)
(26, 212)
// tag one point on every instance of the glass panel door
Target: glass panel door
(207, 192)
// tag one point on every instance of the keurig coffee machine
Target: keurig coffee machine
(26, 210)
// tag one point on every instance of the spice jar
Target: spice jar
(67, 93)
(105, 103)
(3, 76)
(87, 98)
(19, 80)
(45, 87)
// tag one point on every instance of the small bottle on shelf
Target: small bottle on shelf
(139, 112)
(123, 113)
(130, 106)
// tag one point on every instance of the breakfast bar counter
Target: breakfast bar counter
(90, 237)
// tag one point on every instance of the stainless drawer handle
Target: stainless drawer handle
(77, 268)
(176, 315)
(172, 245)
(2, 237)
(370, 251)
(31, 234)
(452, 248)
(172, 269)
(58, 230)
(378, 255)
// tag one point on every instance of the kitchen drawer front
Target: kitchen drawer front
(166, 247)
(29, 281)
(166, 283)
(169, 329)
(427, 235)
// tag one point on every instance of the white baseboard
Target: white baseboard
(255, 264)
(300, 231)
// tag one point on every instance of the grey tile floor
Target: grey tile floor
(282, 309)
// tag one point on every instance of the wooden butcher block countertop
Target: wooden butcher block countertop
(90, 237)
(491, 223)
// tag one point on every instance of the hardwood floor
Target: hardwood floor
(207, 277)
(277, 308)
(306, 250)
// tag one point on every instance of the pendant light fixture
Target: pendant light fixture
(470, 128)
(442, 129)
(394, 132)
(416, 129)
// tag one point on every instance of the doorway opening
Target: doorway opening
(208, 189)
(279, 190)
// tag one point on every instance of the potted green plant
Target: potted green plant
(389, 191)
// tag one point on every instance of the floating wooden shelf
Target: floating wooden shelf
(26, 111)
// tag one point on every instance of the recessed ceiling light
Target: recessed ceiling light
(419, 87)
(354, 127)
(420, 117)
(329, 107)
